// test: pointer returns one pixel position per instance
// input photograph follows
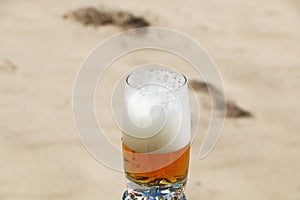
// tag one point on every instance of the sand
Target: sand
(255, 45)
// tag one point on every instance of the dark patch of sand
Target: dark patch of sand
(91, 16)
(199, 86)
(232, 109)
(7, 65)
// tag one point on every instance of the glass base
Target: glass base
(168, 192)
(130, 196)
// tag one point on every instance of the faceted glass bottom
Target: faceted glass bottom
(167, 192)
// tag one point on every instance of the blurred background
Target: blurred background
(255, 44)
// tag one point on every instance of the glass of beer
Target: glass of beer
(156, 134)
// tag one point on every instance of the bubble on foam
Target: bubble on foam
(157, 112)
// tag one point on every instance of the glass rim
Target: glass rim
(159, 69)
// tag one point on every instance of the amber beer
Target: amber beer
(172, 166)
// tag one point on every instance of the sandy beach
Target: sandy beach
(255, 44)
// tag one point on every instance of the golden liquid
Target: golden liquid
(156, 169)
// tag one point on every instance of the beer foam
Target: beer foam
(156, 117)
(169, 79)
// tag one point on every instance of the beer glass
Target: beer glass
(156, 134)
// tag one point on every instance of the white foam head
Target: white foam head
(156, 111)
